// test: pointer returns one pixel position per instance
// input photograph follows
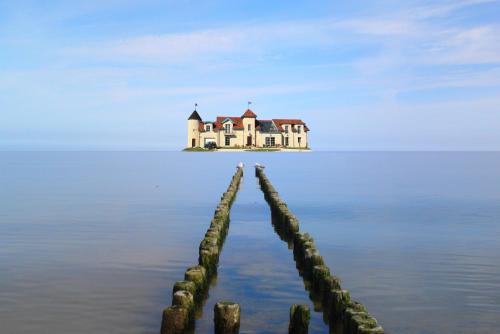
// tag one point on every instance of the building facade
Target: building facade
(246, 131)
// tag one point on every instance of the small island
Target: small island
(246, 133)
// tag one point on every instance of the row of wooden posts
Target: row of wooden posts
(340, 310)
(190, 293)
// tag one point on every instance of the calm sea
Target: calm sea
(92, 242)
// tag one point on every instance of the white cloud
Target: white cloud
(177, 47)
(478, 45)
(206, 45)
(423, 41)
(442, 9)
(378, 26)
(462, 78)
(218, 93)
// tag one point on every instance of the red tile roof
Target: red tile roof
(279, 122)
(237, 122)
(248, 113)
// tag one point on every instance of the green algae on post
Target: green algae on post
(183, 298)
(184, 286)
(175, 320)
(227, 318)
(320, 275)
(197, 275)
(300, 316)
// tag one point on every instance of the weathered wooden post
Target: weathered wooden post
(197, 275)
(183, 298)
(175, 320)
(299, 319)
(338, 301)
(320, 276)
(311, 258)
(357, 320)
(184, 286)
(227, 318)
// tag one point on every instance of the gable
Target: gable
(221, 120)
(280, 122)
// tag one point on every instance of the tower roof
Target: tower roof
(248, 113)
(195, 116)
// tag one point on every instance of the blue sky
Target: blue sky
(124, 75)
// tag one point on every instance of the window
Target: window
(270, 141)
(227, 128)
(228, 141)
(299, 139)
(286, 141)
(286, 128)
(207, 128)
(249, 127)
(298, 128)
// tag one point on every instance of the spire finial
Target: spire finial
(195, 106)
(249, 103)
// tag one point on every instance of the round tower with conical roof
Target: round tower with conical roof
(194, 130)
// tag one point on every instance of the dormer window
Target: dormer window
(207, 128)
(227, 128)
(298, 128)
(286, 128)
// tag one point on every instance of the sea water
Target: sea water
(92, 242)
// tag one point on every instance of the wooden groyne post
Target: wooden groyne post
(337, 303)
(227, 318)
(189, 293)
(175, 320)
(300, 315)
